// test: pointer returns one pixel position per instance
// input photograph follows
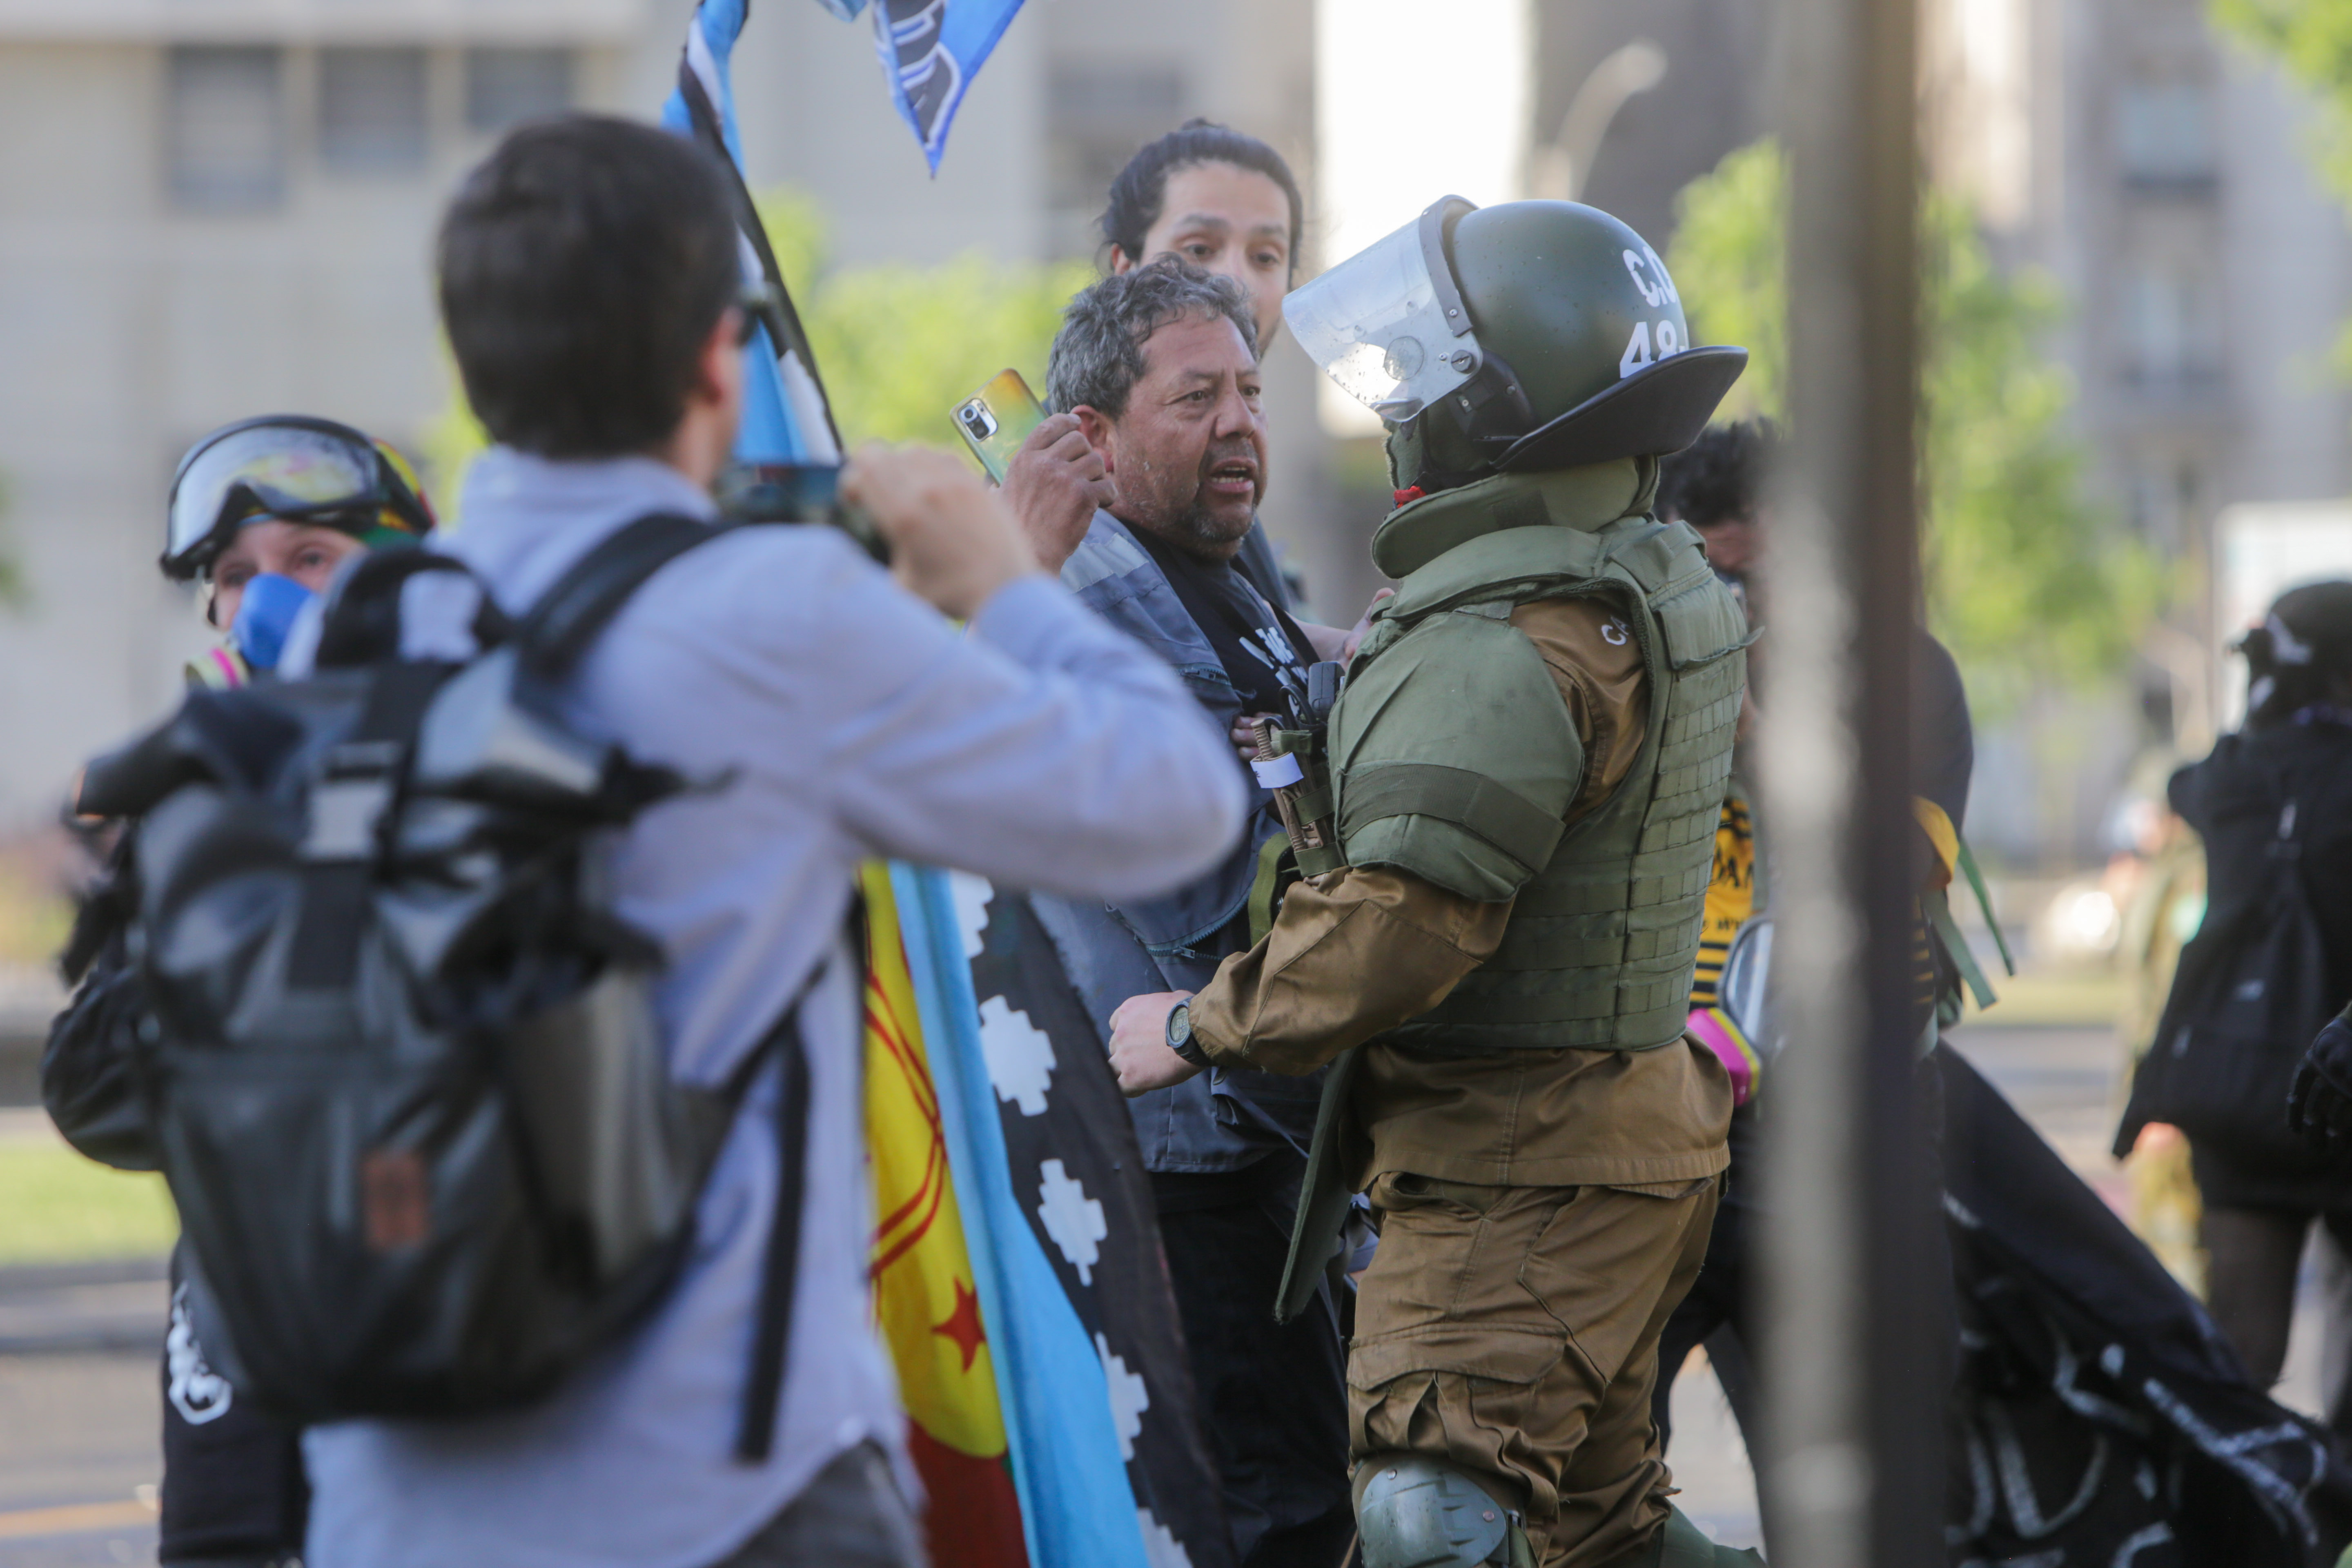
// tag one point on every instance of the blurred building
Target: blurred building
(208, 211)
(1635, 101)
(2165, 177)
(214, 208)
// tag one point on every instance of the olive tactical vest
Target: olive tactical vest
(1603, 937)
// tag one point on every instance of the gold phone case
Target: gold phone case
(996, 419)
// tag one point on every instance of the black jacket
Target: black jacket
(87, 1067)
(2234, 799)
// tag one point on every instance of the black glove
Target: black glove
(2320, 1105)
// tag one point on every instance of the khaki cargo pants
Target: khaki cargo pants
(1514, 1331)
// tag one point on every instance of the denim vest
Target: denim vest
(1227, 1118)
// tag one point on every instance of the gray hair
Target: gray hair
(1098, 355)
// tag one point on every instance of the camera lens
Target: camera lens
(975, 418)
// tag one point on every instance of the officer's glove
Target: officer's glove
(2320, 1105)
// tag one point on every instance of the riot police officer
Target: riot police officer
(1524, 773)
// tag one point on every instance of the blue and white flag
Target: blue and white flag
(930, 51)
(786, 418)
(1106, 1451)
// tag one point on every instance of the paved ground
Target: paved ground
(78, 1422)
(80, 1403)
(77, 1460)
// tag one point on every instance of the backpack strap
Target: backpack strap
(558, 629)
(550, 639)
(360, 621)
(771, 1333)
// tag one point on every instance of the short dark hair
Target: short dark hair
(582, 268)
(1720, 477)
(1098, 356)
(1139, 195)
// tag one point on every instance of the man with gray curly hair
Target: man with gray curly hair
(1158, 365)
(1187, 456)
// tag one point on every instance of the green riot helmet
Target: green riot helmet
(1524, 336)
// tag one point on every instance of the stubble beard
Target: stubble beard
(1195, 530)
(1190, 526)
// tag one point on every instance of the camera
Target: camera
(795, 492)
(974, 416)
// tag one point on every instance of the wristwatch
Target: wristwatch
(1180, 1036)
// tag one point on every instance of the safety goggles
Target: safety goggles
(288, 467)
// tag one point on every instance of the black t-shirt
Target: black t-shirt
(1262, 650)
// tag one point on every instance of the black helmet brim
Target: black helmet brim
(1659, 409)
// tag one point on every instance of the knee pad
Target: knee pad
(1413, 1511)
(1687, 1546)
(1679, 1543)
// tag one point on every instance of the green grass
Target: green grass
(58, 1207)
(2050, 998)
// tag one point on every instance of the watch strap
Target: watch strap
(1183, 1042)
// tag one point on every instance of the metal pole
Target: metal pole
(1856, 1289)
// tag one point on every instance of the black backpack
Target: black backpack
(399, 1061)
(2251, 990)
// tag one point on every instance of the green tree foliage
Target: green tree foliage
(2313, 38)
(1730, 262)
(898, 345)
(2027, 582)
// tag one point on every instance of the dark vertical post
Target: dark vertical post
(1856, 1282)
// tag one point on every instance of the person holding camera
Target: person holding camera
(589, 280)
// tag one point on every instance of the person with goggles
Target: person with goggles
(264, 510)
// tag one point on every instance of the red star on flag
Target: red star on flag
(962, 1325)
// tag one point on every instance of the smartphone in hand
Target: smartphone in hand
(996, 419)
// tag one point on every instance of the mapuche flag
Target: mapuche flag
(1018, 1278)
(1095, 1390)
(926, 1290)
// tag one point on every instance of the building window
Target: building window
(227, 148)
(372, 109)
(2171, 330)
(504, 87)
(2164, 134)
(1096, 118)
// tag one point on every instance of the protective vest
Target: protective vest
(1456, 757)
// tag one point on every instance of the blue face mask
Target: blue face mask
(265, 615)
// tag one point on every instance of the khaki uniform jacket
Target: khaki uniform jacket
(1359, 952)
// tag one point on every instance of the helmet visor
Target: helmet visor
(1377, 324)
(288, 471)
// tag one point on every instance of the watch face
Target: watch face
(1179, 1025)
